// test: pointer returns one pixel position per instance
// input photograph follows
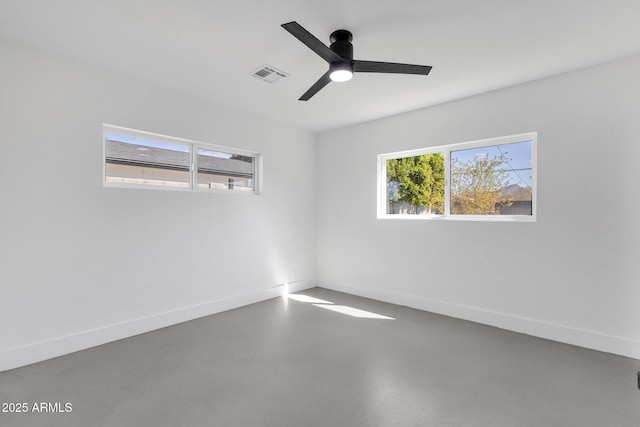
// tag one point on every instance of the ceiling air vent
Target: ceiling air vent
(269, 74)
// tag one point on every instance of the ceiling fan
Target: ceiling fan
(339, 55)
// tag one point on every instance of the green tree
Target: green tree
(477, 185)
(417, 181)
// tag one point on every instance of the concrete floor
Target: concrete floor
(290, 363)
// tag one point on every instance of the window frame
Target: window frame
(446, 151)
(193, 147)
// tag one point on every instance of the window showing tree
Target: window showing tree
(416, 184)
(475, 180)
(492, 180)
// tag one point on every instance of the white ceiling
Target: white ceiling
(209, 48)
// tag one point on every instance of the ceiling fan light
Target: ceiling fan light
(340, 72)
(341, 75)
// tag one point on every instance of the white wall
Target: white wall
(81, 264)
(577, 267)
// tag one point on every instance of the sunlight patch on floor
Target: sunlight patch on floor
(328, 305)
(306, 298)
(355, 312)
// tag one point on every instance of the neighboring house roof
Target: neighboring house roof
(140, 155)
(515, 192)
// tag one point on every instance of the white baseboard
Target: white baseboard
(578, 337)
(59, 346)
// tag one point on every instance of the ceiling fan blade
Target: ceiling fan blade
(322, 82)
(312, 42)
(389, 67)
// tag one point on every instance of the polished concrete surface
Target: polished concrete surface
(286, 362)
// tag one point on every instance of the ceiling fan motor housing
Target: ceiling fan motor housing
(341, 44)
